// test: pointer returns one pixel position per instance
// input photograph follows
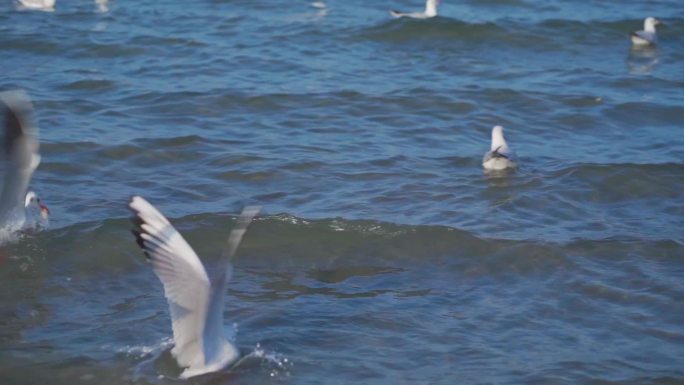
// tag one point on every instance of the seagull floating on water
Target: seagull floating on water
(430, 11)
(648, 35)
(499, 157)
(20, 207)
(41, 5)
(195, 296)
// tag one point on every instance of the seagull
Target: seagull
(648, 35)
(318, 4)
(195, 296)
(102, 6)
(499, 157)
(20, 207)
(41, 5)
(430, 11)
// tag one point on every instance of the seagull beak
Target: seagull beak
(44, 210)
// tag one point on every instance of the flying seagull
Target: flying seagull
(195, 295)
(19, 207)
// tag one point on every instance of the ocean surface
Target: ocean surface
(383, 254)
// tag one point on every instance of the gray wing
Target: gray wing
(20, 149)
(223, 272)
(648, 36)
(186, 284)
(245, 218)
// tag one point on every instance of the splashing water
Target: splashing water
(276, 363)
(142, 351)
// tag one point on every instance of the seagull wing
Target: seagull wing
(214, 330)
(245, 218)
(186, 284)
(21, 154)
(648, 36)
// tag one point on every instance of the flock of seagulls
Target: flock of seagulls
(646, 37)
(194, 294)
(21, 208)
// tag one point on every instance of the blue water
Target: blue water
(384, 254)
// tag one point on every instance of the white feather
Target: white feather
(499, 156)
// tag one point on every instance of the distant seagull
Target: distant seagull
(19, 207)
(41, 5)
(195, 296)
(648, 35)
(102, 6)
(499, 157)
(318, 4)
(430, 11)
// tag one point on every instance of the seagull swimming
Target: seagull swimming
(195, 296)
(648, 35)
(20, 207)
(41, 5)
(499, 157)
(430, 11)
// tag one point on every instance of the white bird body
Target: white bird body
(42, 5)
(195, 298)
(499, 157)
(21, 160)
(430, 11)
(102, 6)
(648, 36)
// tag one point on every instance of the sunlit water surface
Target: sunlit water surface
(384, 254)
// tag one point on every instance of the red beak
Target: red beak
(44, 210)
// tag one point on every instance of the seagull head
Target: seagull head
(33, 199)
(650, 23)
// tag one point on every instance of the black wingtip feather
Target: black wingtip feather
(141, 243)
(137, 232)
(497, 154)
